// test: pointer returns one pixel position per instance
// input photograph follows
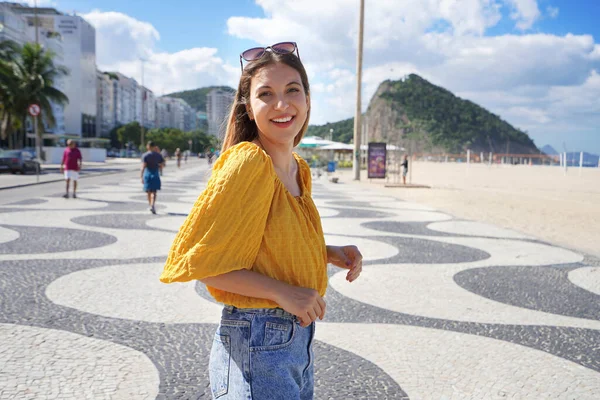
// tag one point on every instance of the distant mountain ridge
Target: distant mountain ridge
(547, 149)
(417, 114)
(196, 98)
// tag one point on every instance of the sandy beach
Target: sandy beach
(540, 201)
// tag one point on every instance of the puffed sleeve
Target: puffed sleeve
(305, 174)
(224, 229)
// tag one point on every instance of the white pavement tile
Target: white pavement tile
(59, 364)
(430, 291)
(435, 364)
(133, 291)
(174, 208)
(328, 212)
(471, 228)
(131, 243)
(353, 226)
(8, 235)
(59, 203)
(168, 223)
(587, 278)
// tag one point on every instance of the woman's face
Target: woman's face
(278, 103)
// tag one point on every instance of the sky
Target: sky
(534, 63)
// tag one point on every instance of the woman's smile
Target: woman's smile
(284, 121)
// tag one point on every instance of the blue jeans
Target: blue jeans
(261, 353)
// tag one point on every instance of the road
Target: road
(445, 308)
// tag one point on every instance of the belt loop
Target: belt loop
(229, 309)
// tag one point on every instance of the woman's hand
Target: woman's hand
(304, 303)
(347, 257)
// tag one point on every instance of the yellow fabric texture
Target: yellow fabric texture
(247, 219)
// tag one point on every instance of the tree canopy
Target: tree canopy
(165, 138)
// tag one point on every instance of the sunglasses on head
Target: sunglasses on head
(256, 53)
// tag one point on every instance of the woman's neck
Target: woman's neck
(281, 155)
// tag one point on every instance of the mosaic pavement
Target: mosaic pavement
(445, 308)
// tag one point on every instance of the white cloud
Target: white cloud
(534, 81)
(525, 12)
(122, 40)
(528, 114)
(540, 82)
(552, 11)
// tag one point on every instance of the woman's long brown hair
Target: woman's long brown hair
(240, 128)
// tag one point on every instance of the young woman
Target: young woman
(254, 237)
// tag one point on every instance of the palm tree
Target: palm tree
(9, 52)
(29, 79)
(37, 74)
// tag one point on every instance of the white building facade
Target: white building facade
(78, 42)
(218, 103)
(12, 25)
(172, 112)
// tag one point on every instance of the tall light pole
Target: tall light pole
(357, 124)
(38, 142)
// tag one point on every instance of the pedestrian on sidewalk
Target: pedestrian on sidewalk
(254, 237)
(404, 169)
(71, 165)
(178, 157)
(152, 164)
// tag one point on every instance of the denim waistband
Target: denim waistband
(278, 312)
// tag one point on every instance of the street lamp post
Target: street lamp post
(331, 134)
(357, 125)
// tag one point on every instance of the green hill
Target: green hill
(197, 97)
(415, 113)
(432, 118)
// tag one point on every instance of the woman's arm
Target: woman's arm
(304, 303)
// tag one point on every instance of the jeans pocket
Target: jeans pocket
(220, 358)
(279, 333)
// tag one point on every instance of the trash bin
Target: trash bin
(331, 166)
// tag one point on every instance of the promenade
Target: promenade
(446, 307)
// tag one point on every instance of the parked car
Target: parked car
(18, 161)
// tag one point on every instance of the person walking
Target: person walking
(152, 164)
(71, 164)
(178, 157)
(254, 238)
(404, 169)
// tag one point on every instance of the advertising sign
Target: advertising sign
(376, 160)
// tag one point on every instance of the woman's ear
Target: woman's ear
(249, 112)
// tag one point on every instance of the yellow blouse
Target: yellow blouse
(247, 219)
